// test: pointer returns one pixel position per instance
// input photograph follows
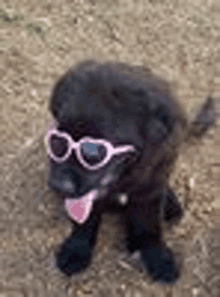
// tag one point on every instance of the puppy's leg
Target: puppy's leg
(75, 253)
(144, 233)
(172, 210)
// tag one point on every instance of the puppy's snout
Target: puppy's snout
(65, 185)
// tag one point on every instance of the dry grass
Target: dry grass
(179, 40)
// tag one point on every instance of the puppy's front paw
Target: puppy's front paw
(74, 255)
(160, 264)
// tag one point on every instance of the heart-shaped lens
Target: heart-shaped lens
(93, 153)
(59, 145)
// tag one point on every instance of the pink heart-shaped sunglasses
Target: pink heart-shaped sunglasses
(91, 153)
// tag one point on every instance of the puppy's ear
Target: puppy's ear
(59, 96)
(64, 96)
(69, 88)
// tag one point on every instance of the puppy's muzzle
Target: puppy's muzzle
(65, 186)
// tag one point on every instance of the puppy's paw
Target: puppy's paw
(160, 264)
(74, 255)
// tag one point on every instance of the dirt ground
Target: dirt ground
(177, 39)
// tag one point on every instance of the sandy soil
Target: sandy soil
(179, 40)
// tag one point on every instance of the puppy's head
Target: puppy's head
(110, 119)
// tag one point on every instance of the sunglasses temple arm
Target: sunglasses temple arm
(125, 149)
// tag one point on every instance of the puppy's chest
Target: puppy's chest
(122, 199)
(117, 201)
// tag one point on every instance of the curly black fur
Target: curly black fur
(124, 104)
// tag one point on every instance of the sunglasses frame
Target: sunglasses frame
(111, 151)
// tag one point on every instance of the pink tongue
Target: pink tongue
(80, 209)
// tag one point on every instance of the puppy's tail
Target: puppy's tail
(205, 119)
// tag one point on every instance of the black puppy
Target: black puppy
(117, 136)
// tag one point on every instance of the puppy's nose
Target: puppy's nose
(68, 185)
(65, 186)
